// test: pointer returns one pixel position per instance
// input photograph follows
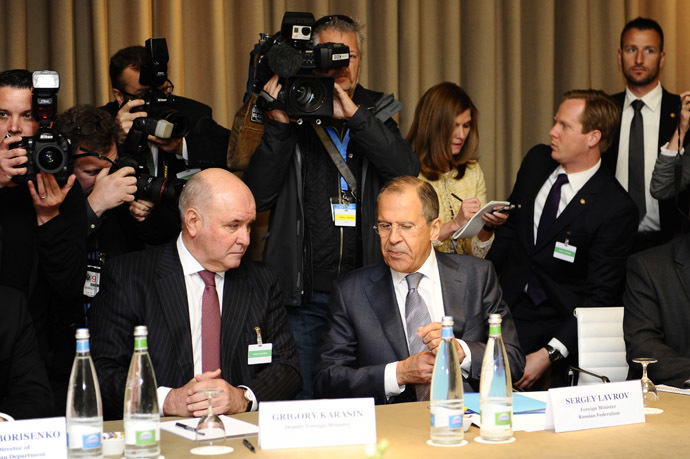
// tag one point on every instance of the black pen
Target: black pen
(189, 428)
(456, 197)
(249, 445)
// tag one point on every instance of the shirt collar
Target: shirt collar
(429, 269)
(652, 99)
(578, 179)
(190, 265)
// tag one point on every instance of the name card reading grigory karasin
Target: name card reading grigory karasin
(308, 423)
(594, 406)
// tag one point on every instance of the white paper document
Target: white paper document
(233, 427)
(476, 223)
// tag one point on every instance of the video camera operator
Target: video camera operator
(205, 145)
(43, 220)
(321, 222)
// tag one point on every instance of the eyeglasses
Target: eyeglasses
(385, 229)
(167, 90)
(330, 18)
(88, 129)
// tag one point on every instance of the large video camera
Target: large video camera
(291, 54)
(47, 151)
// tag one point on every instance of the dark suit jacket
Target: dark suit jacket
(148, 288)
(365, 331)
(24, 388)
(669, 217)
(657, 312)
(207, 141)
(601, 221)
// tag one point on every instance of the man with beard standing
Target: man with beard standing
(648, 120)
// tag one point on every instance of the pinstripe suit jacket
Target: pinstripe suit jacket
(148, 288)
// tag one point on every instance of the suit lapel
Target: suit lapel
(453, 288)
(238, 299)
(171, 289)
(381, 297)
(682, 246)
(534, 186)
(668, 120)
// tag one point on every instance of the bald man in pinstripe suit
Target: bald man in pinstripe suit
(162, 289)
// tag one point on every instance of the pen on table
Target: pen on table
(249, 445)
(186, 427)
(456, 197)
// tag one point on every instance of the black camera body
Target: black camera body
(47, 151)
(157, 104)
(292, 55)
(159, 190)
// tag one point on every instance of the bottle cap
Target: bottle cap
(447, 321)
(495, 319)
(82, 333)
(141, 330)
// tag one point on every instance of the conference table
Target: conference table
(406, 428)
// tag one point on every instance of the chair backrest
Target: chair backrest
(600, 343)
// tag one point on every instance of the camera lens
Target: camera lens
(50, 159)
(307, 94)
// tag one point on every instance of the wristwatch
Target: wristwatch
(249, 400)
(554, 354)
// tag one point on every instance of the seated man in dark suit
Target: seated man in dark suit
(657, 312)
(566, 246)
(194, 343)
(372, 346)
(24, 388)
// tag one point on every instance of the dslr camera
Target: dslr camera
(163, 119)
(292, 55)
(47, 151)
(159, 190)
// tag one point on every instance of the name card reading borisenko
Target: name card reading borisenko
(597, 405)
(33, 438)
(307, 423)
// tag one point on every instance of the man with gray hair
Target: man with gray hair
(204, 308)
(379, 341)
(320, 183)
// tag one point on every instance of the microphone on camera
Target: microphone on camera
(284, 60)
(159, 128)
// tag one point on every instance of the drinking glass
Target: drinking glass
(649, 394)
(210, 432)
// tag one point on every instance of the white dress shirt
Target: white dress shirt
(568, 191)
(651, 115)
(430, 290)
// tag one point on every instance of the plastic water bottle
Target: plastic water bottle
(84, 411)
(141, 415)
(495, 394)
(446, 391)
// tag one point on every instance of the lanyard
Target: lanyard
(342, 148)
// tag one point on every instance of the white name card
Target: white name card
(33, 438)
(594, 406)
(307, 423)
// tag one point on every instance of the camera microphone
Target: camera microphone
(284, 60)
(159, 128)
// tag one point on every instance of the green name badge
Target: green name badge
(259, 353)
(565, 252)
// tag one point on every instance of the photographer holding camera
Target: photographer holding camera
(321, 222)
(204, 145)
(43, 251)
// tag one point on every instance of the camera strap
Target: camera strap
(337, 159)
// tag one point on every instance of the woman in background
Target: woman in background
(444, 135)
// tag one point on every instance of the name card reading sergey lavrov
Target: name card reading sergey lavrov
(597, 405)
(307, 423)
(33, 438)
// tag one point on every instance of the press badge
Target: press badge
(93, 280)
(344, 214)
(564, 251)
(260, 352)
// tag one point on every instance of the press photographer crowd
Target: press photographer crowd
(134, 214)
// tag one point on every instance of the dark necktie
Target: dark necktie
(548, 217)
(636, 185)
(416, 315)
(210, 324)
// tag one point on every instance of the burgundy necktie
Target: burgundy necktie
(210, 324)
